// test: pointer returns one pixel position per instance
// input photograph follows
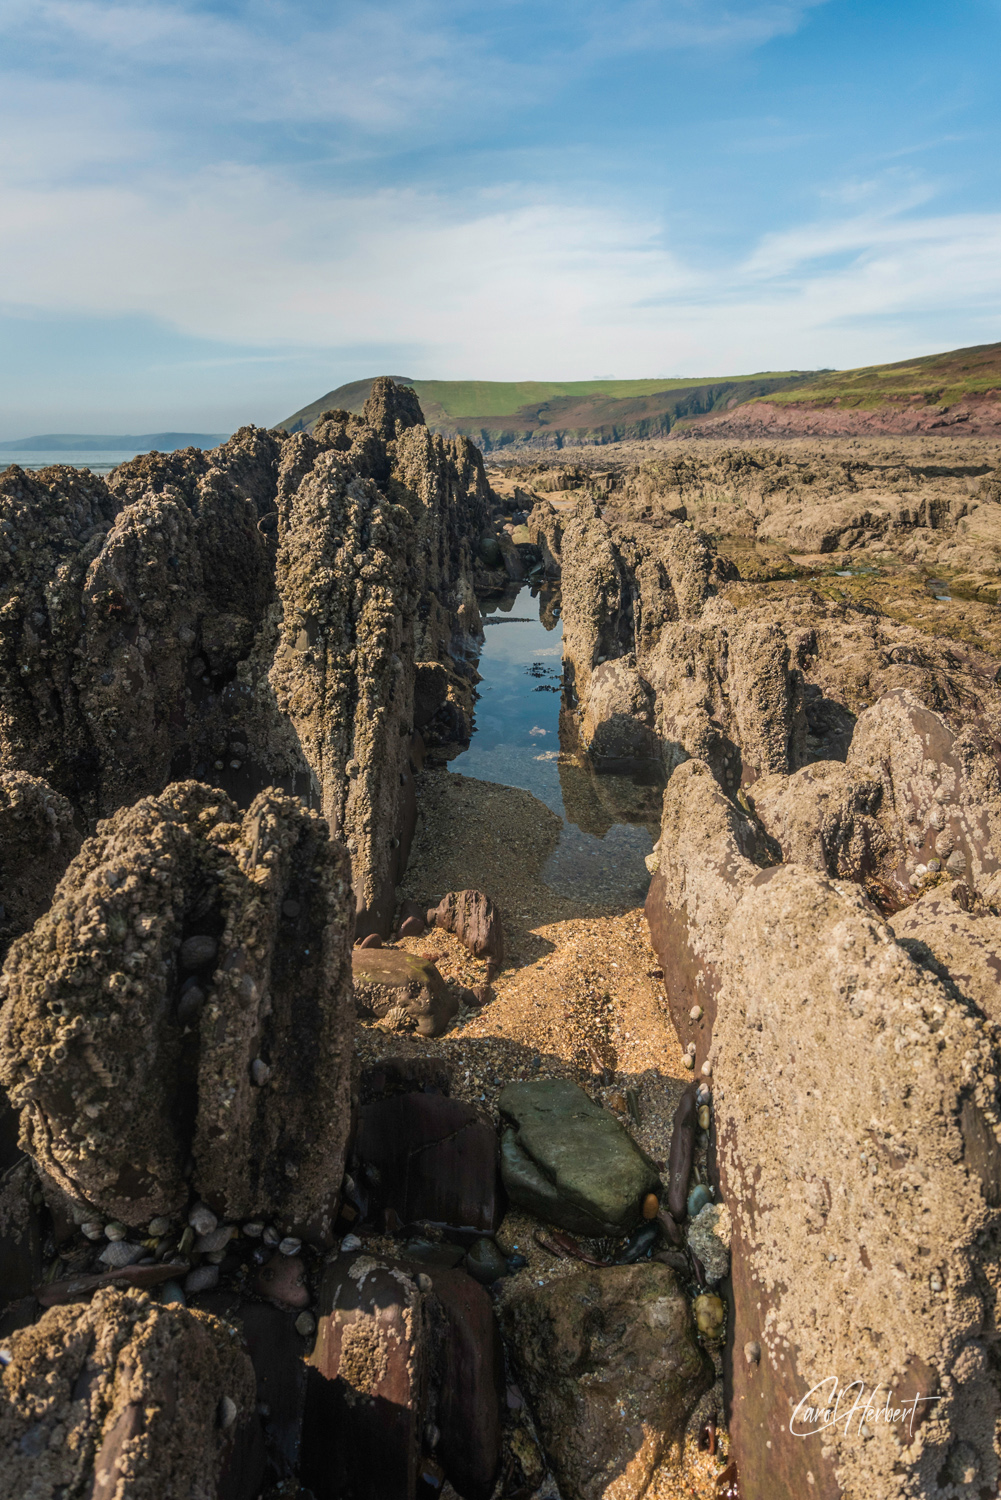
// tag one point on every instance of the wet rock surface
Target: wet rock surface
(610, 1363)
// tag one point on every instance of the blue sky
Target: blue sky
(215, 212)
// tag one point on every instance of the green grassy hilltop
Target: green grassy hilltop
(941, 379)
(498, 412)
(553, 413)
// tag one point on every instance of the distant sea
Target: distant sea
(40, 458)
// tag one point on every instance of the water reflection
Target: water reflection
(609, 822)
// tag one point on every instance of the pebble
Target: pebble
(696, 1013)
(93, 1231)
(639, 1245)
(190, 1004)
(271, 1235)
(710, 1315)
(291, 908)
(350, 1242)
(202, 1279)
(121, 1253)
(704, 1116)
(172, 1291)
(289, 1246)
(651, 1206)
(186, 1242)
(218, 1239)
(115, 1231)
(259, 1072)
(305, 1324)
(485, 1262)
(707, 1070)
(202, 1219)
(688, 1060)
(227, 1412)
(697, 1199)
(284, 1279)
(752, 1351)
(253, 1230)
(196, 952)
(703, 1094)
(158, 1227)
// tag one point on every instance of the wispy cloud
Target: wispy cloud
(242, 255)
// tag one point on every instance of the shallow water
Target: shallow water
(610, 824)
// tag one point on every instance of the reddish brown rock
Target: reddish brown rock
(475, 921)
(406, 1372)
(277, 1353)
(366, 1393)
(431, 1159)
(469, 1384)
(412, 920)
(857, 1102)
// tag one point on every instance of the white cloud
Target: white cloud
(493, 286)
(403, 65)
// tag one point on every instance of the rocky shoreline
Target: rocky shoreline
(344, 1156)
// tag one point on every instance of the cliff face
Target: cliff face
(251, 617)
(824, 901)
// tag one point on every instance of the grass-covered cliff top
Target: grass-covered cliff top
(940, 378)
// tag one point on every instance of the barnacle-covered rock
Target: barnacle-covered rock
(129, 1049)
(252, 617)
(856, 1101)
(124, 1399)
(38, 838)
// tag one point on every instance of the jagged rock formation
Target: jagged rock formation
(830, 770)
(180, 1017)
(121, 1399)
(38, 839)
(926, 507)
(252, 617)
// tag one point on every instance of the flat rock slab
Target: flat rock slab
(391, 980)
(401, 1350)
(569, 1161)
(612, 1369)
(431, 1159)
